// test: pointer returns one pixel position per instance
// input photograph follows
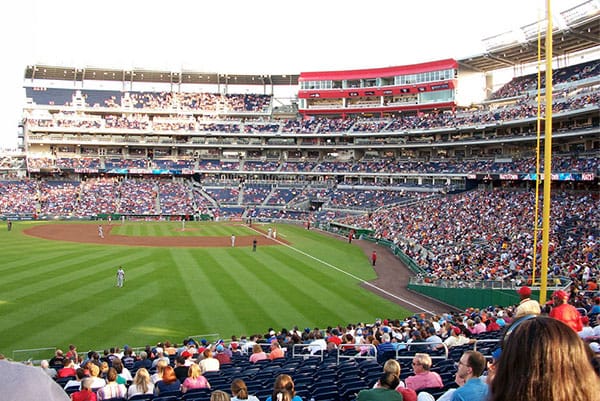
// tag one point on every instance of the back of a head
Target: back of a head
(392, 366)
(111, 375)
(239, 389)
(86, 383)
(389, 380)
(218, 395)
(543, 359)
(283, 382)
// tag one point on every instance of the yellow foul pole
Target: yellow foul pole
(547, 157)
(538, 180)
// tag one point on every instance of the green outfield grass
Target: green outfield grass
(54, 293)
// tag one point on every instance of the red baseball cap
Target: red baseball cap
(524, 291)
(560, 294)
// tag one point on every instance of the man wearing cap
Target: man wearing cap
(527, 306)
(433, 338)
(222, 355)
(565, 312)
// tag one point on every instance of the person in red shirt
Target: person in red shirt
(565, 312)
(86, 393)
(68, 369)
(374, 257)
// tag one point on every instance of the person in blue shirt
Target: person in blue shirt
(470, 367)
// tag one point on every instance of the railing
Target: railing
(358, 355)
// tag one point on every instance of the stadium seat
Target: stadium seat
(141, 397)
(198, 394)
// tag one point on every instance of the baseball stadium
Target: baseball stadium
(311, 226)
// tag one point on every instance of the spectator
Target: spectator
(97, 381)
(160, 368)
(423, 377)
(392, 366)
(76, 382)
(195, 379)
(388, 382)
(239, 391)
(456, 338)
(276, 351)
(181, 369)
(168, 382)
(527, 306)
(257, 354)
(122, 371)
(587, 332)
(543, 360)
(57, 360)
(72, 353)
(68, 369)
(143, 362)
(208, 363)
(565, 312)
(86, 393)
(222, 355)
(128, 358)
(219, 395)
(142, 384)
(470, 367)
(112, 389)
(47, 369)
(160, 357)
(433, 338)
(283, 384)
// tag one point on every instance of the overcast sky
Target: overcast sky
(245, 36)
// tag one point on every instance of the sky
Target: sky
(244, 36)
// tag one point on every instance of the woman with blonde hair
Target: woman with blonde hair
(219, 395)
(543, 359)
(392, 366)
(257, 354)
(160, 367)
(284, 385)
(239, 391)
(195, 379)
(142, 383)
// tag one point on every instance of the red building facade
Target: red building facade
(379, 91)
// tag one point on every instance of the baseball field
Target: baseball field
(59, 283)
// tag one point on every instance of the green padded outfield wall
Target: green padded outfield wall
(464, 298)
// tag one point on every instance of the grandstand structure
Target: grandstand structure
(354, 149)
(352, 142)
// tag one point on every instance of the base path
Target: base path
(88, 233)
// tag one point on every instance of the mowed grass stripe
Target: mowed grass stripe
(171, 293)
(101, 315)
(329, 283)
(59, 297)
(327, 288)
(288, 286)
(233, 274)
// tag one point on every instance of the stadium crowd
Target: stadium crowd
(424, 353)
(486, 235)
